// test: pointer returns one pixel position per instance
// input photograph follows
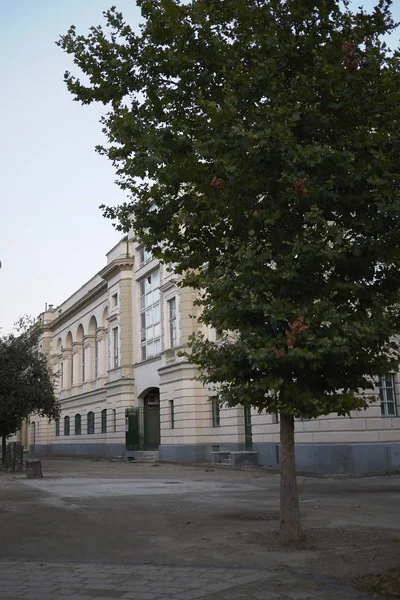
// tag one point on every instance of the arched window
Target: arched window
(78, 424)
(104, 421)
(57, 426)
(66, 426)
(90, 422)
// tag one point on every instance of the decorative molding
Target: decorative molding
(116, 266)
(88, 341)
(101, 333)
(88, 298)
(112, 319)
(76, 347)
(167, 285)
(169, 355)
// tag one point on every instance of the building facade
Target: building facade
(122, 385)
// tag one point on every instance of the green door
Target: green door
(132, 429)
(152, 421)
(248, 435)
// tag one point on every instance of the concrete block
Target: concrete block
(390, 435)
(34, 469)
(394, 457)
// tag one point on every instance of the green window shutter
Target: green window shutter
(78, 424)
(104, 421)
(90, 422)
(66, 426)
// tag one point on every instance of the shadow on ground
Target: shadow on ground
(86, 510)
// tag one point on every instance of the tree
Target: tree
(258, 141)
(26, 383)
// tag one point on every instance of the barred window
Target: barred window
(387, 395)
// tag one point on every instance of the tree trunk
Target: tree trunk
(3, 449)
(290, 529)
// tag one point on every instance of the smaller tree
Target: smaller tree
(26, 382)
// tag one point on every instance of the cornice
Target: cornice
(91, 295)
(168, 285)
(116, 266)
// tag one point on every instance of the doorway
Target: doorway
(151, 404)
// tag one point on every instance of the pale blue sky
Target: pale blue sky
(52, 235)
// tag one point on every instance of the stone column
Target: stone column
(101, 334)
(67, 360)
(88, 345)
(77, 360)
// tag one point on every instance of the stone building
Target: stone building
(123, 388)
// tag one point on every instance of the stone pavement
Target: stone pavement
(97, 529)
(70, 580)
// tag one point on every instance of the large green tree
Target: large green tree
(26, 383)
(258, 141)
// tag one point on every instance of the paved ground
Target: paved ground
(97, 529)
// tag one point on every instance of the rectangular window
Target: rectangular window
(66, 425)
(104, 421)
(115, 419)
(172, 413)
(57, 427)
(144, 256)
(387, 395)
(114, 299)
(96, 359)
(83, 363)
(216, 417)
(150, 315)
(172, 323)
(115, 346)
